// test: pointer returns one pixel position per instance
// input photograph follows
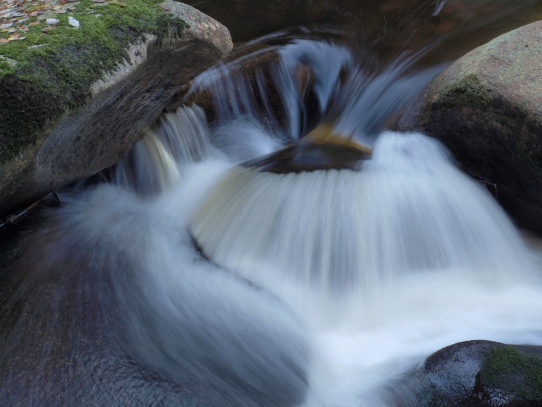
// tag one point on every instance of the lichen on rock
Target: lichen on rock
(467, 91)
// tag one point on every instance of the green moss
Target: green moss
(5, 67)
(513, 371)
(60, 66)
(466, 92)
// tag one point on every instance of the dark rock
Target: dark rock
(306, 157)
(77, 143)
(481, 373)
(486, 108)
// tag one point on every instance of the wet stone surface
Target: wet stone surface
(310, 157)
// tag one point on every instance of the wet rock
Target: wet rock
(64, 138)
(486, 108)
(249, 19)
(380, 26)
(481, 373)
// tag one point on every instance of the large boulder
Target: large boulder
(480, 373)
(58, 125)
(487, 108)
(380, 25)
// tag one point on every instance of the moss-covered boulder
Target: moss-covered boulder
(74, 100)
(481, 373)
(487, 108)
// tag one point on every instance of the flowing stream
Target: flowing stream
(214, 268)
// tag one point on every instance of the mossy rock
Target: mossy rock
(78, 103)
(467, 91)
(59, 67)
(485, 107)
(512, 374)
(480, 374)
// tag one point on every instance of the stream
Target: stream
(272, 240)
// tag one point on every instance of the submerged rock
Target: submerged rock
(487, 108)
(57, 129)
(481, 373)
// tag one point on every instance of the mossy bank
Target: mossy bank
(61, 65)
(74, 100)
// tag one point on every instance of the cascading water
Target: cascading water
(313, 289)
(382, 264)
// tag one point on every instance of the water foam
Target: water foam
(319, 289)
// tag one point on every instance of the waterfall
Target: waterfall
(381, 264)
(348, 237)
(318, 288)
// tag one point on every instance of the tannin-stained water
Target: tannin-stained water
(313, 289)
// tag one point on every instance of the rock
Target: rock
(48, 140)
(487, 108)
(73, 22)
(52, 21)
(480, 373)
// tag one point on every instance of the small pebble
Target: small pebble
(73, 22)
(52, 21)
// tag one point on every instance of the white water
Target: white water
(374, 271)
(359, 103)
(355, 276)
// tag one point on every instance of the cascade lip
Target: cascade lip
(306, 157)
(322, 149)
